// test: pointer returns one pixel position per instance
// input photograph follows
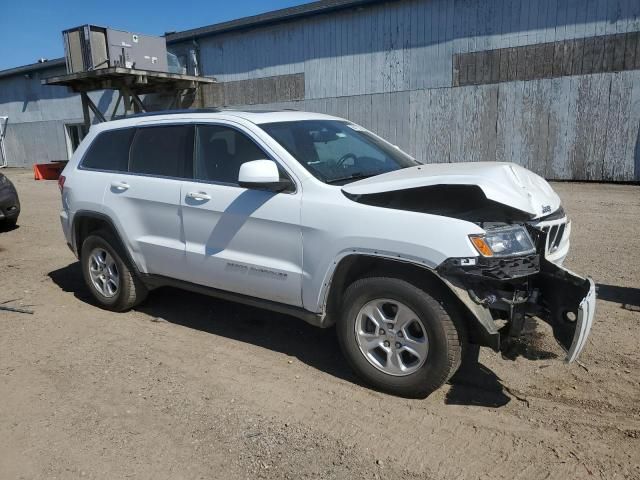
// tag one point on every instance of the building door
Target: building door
(74, 133)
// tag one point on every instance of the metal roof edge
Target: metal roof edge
(33, 67)
(275, 16)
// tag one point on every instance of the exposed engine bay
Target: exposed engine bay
(464, 202)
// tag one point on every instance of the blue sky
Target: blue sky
(31, 29)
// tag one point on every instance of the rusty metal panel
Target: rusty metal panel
(607, 53)
(631, 47)
(255, 91)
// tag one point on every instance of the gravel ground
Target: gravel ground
(190, 387)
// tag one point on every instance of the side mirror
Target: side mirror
(262, 175)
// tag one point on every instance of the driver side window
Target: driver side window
(220, 151)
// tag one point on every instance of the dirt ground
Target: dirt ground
(191, 387)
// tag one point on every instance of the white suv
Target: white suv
(317, 217)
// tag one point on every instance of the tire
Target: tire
(129, 291)
(420, 373)
(10, 223)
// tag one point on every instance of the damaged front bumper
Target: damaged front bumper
(570, 306)
(510, 289)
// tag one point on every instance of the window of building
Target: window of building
(109, 151)
(164, 151)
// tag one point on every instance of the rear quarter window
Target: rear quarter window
(165, 151)
(109, 151)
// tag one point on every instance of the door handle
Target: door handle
(198, 196)
(120, 186)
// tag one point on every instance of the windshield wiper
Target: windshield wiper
(354, 176)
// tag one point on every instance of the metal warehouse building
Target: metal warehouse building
(553, 85)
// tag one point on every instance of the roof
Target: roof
(56, 62)
(257, 117)
(275, 16)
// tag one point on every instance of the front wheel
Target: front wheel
(397, 337)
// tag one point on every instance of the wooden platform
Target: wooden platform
(137, 81)
(130, 84)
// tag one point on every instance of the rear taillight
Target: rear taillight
(61, 180)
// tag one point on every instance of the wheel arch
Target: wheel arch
(87, 222)
(478, 323)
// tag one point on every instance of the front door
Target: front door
(241, 240)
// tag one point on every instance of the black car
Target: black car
(9, 203)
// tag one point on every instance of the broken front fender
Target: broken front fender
(570, 306)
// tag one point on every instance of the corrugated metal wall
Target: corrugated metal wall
(38, 115)
(406, 45)
(390, 67)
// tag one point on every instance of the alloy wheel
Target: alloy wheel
(391, 337)
(104, 272)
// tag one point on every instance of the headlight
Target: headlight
(3, 179)
(504, 242)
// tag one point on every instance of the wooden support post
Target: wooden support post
(138, 107)
(85, 109)
(95, 110)
(175, 102)
(137, 103)
(127, 100)
(115, 108)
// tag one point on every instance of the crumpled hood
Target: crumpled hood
(502, 182)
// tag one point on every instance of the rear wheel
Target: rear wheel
(397, 337)
(108, 275)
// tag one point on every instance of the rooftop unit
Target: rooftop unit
(90, 47)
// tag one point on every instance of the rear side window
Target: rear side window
(164, 151)
(109, 151)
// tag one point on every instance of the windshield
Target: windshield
(337, 152)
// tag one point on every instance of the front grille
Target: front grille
(554, 236)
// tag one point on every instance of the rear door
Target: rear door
(242, 240)
(145, 199)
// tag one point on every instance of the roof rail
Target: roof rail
(172, 112)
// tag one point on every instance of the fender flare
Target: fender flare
(485, 329)
(323, 295)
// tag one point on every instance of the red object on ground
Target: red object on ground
(47, 171)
